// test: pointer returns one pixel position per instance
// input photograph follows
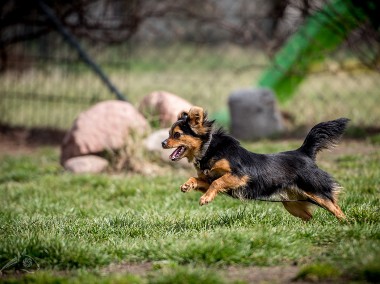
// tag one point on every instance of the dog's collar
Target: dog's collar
(205, 147)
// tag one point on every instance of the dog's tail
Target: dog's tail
(323, 136)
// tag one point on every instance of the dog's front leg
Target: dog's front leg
(226, 182)
(216, 186)
(196, 183)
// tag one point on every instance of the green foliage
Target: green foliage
(370, 272)
(375, 139)
(309, 45)
(318, 272)
(77, 278)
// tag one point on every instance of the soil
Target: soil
(249, 274)
(18, 140)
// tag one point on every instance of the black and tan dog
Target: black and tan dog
(223, 166)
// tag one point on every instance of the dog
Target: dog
(224, 166)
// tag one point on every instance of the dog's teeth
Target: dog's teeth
(177, 153)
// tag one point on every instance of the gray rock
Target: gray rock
(254, 114)
(86, 164)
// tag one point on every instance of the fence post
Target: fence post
(75, 44)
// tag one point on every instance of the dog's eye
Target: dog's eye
(176, 135)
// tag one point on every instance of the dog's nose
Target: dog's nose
(164, 143)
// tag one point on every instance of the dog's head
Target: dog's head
(188, 134)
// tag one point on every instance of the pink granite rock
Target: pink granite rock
(105, 126)
(86, 164)
(163, 106)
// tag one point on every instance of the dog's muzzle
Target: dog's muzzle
(164, 144)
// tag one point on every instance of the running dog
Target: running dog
(224, 166)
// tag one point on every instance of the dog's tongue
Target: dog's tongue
(176, 154)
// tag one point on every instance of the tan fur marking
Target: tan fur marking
(204, 187)
(221, 167)
(223, 163)
(196, 115)
(301, 209)
(329, 205)
(174, 130)
(227, 181)
(196, 119)
(196, 184)
(192, 144)
(173, 143)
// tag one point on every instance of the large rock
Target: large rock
(86, 164)
(153, 144)
(254, 114)
(163, 106)
(105, 126)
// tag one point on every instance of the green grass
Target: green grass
(166, 275)
(318, 272)
(73, 226)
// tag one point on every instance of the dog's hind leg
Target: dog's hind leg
(299, 209)
(328, 204)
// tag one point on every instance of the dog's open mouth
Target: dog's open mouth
(177, 154)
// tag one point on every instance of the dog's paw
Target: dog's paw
(189, 185)
(205, 199)
(185, 187)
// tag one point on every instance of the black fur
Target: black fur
(322, 136)
(269, 174)
(224, 166)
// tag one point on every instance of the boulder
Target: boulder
(153, 144)
(254, 114)
(86, 164)
(105, 126)
(163, 106)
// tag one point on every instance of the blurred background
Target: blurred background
(200, 50)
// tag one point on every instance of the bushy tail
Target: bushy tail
(323, 136)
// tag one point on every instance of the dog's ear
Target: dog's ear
(197, 117)
(183, 115)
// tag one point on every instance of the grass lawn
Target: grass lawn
(128, 228)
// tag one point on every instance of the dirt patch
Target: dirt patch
(249, 274)
(13, 144)
(132, 268)
(348, 147)
(253, 274)
(19, 140)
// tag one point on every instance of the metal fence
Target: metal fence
(201, 54)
